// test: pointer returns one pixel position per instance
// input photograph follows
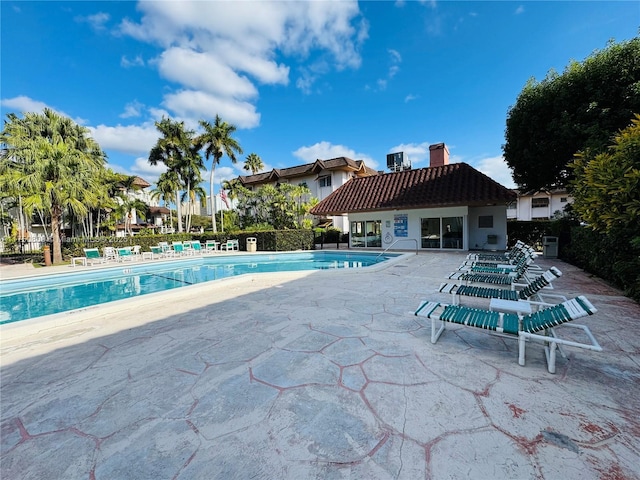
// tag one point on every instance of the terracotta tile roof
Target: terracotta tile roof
(339, 163)
(447, 185)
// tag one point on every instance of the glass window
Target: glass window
(366, 234)
(374, 234)
(539, 202)
(485, 221)
(357, 234)
(324, 181)
(430, 232)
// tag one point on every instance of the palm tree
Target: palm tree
(190, 173)
(217, 141)
(167, 186)
(54, 164)
(233, 187)
(253, 163)
(171, 149)
(127, 184)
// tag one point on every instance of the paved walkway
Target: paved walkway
(326, 375)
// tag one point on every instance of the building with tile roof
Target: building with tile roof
(444, 206)
(322, 177)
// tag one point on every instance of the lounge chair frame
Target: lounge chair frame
(538, 326)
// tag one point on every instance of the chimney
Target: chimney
(438, 155)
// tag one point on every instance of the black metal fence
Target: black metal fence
(21, 251)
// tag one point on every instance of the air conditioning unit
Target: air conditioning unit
(492, 239)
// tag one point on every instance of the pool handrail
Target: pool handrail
(399, 240)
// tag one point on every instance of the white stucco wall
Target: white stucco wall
(478, 236)
(473, 236)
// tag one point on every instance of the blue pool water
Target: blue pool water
(22, 299)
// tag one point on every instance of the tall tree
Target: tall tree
(217, 141)
(174, 148)
(54, 164)
(127, 184)
(253, 163)
(167, 188)
(580, 109)
(232, 186)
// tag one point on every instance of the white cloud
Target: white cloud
(205, 72)
(497, 169)
(132, 109)
(23, 104)
(131, 139)
(198, 104)
(136, 62)
(326, 150)
(96, 21)
(219, 52)
(519, 10)
(144, 169)
(395, 55)
(410, 97)
(394, 59)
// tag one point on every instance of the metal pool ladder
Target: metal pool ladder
(399, 240)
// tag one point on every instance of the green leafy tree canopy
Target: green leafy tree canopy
(606, 188)
(580, 109)
(53, 165)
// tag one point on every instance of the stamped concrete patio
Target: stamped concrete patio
(324, 375)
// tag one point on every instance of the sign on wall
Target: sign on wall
(401, 225)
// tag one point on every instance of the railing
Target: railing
(397, 241)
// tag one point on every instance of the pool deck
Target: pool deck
(323, 375)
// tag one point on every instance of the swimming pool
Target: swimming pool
(32, 297)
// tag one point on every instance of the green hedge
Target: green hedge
(269, 241)
(531, 233)
(614, 257)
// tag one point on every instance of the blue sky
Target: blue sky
(300, 80)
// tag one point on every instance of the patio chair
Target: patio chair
(91, 257)
(178, 248)
(515, 258)
(528, 291)
(110, 253)
(230, 245)
(538, 326)
(499, 257)
(211, 246)
(125, 254)
(196, 247)
(524, 263)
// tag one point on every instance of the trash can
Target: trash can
(550, 247)
(252, 244)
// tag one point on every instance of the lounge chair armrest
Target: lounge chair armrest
(562, 298)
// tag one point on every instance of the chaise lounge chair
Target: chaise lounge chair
(230, 245)
(125, 254)
(537, 326)
(91, 257)
(528, 291)
(499, 257)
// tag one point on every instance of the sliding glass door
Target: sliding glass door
(441, 232)
(366, 234)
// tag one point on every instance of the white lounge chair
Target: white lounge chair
(91, 257)
(538, 326)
